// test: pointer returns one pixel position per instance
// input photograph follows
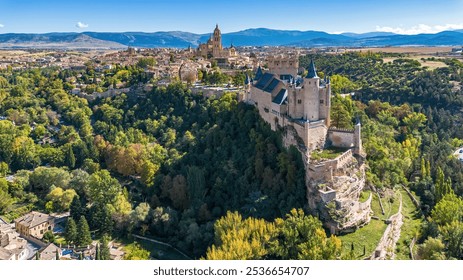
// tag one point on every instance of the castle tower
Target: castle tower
(325, 102)
(311, 93)
(216, 42)
(358, 149)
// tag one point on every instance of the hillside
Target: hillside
(248, 37)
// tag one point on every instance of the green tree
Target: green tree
(69, 158)
(302, 237)
(70, 232)
(49, 236)
(102, 188)
(104, 248)
(135, 252)
(432, 249)
(83, 233)
(76, 210)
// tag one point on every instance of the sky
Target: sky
(200, 16)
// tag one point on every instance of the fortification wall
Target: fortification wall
(341, 138)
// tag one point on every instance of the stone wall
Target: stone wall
(341, 138)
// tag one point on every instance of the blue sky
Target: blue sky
(200, 16)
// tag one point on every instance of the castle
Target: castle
(214, 49)
(300, 107)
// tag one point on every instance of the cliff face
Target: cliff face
(334, 187)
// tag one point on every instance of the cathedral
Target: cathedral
(213, 47)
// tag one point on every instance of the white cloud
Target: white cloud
(420, 28)
(1, 25)
(81, 25)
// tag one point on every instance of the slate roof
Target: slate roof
(312, 72)
(33, 219)
(280, 97)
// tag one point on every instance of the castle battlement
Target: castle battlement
(300, 106)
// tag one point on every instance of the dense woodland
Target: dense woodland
(207, 175)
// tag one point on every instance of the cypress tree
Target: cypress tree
(70, 158)
(70, 232)
(104, 248)
(83, 232)
(97, 252)
(37, 255)
(57, 255)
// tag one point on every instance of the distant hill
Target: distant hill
(55, 41)
(248, 37)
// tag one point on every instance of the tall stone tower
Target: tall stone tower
(312, 94)
(216, 42)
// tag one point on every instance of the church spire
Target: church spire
(312, 72)
(258, 73)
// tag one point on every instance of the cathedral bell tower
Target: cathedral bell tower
(216, 42)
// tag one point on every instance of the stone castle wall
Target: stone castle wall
(341, 138)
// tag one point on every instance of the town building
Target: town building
(12, 247)
(299, 106)
(34, 224)
(50, 252)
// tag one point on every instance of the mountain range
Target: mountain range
(248, 37)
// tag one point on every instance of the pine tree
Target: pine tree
(70, 232)
(83, 232)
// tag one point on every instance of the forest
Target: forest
(208, 176)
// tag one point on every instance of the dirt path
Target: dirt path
(386, 246)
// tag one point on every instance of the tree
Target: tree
(104, 248)
(76, 210)
(449, 209)
(5, 199)
(238, 239)
(102, 188)
(69, 158)
(135, 252)
(83, 233)
(70, 232)
(101, 219)
(49, 236)
(148, 172)
(60, 200)
(302, 237)
(431, 249)
(97, 252)
(340, 117)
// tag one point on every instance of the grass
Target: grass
(412, 223)
(370, 234)
(329, 153)
(364, 195)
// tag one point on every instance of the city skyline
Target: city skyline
(411, 17)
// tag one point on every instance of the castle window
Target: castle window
(321, 101)
(266, 110)
(299, 101)
(309, 83)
